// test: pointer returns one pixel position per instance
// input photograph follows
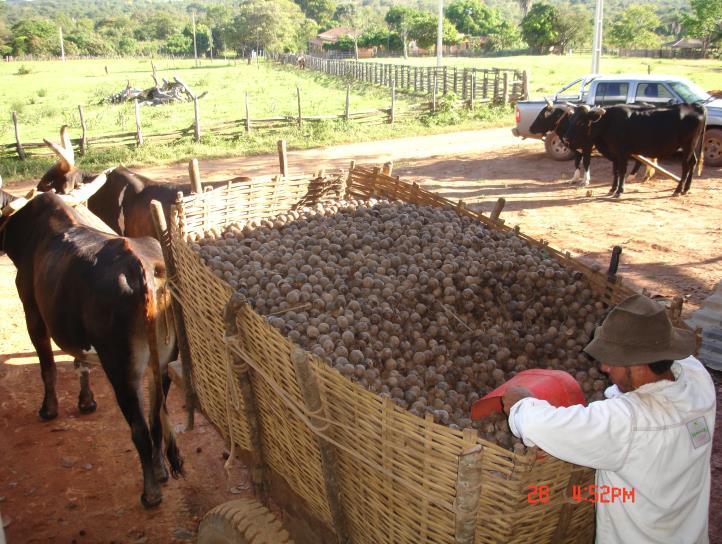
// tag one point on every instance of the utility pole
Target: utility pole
(195, 45)
(210, 41)
(62, 45)
(597, 44)
(440, 33)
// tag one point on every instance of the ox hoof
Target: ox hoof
(87, 407)
(676, 193)
(161, 474)
(46, 414)
(151, 501)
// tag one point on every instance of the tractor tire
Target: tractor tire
(556, 149)
(713, 147)
(243, 521)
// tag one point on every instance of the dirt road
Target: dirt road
(76, 479)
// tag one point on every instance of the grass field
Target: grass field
(46, 95)
(547, 73)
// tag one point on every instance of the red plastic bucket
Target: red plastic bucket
(557, 387)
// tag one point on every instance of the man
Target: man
(652, 434)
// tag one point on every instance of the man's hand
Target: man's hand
(512, 396)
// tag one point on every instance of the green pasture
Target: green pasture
(46, 95)
(547, 73)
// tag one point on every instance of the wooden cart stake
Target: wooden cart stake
(161, 230)
(312, 398)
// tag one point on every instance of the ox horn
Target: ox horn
(549, 102)
(64, 151)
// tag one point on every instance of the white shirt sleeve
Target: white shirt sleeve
(598, 435)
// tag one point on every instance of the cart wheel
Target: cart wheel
(243, 521)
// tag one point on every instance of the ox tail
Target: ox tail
(159, 412)
(700, 144)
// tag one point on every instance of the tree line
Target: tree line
(146, 27)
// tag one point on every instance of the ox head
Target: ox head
(579, 131)
(550, 117)
(62, 177)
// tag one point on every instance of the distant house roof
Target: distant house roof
(333, 34)
(686, 43)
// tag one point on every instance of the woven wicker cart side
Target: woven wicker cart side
(402, 477)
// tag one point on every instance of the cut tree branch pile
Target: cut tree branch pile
(162, 93)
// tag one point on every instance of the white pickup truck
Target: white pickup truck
(596, 90)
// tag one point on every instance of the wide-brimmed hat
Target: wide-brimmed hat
(638, 331)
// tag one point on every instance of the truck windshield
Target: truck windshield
(573, 92)
(689, 92)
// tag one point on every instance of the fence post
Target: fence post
(84, 137)
(282, 157)
(248, 115)
(197, 123)
(505, 88)
(298, 95)
(348, 102)
(433, 96)
(194, 172)
(21, 151)
(138, 131)
(445, 80)
(495, 99)
(525, 85)
(392, 112)
(473, 90)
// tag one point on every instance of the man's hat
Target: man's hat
(638, 331)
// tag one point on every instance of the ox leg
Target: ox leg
(86, 400)
(693, 160)
(587, 158)
(577, 171)
(41, 341)
(635, 169)
(615, 176)
(126, 384)
(156, 429)
(621, 175)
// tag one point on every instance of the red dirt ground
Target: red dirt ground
(77, 479)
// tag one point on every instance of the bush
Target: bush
(23, 71)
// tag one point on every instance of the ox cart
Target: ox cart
(342, 463)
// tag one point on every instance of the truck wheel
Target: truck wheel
(243, 521)
(556, 149)
(713, 147)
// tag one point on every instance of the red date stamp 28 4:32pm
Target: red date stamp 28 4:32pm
(597, 494)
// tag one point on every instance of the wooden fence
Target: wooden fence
(235, 128)
(493, 85)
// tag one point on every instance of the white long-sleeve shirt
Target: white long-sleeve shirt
(656, 440)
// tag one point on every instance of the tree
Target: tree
(269, 24)
(506, 35)
(524, 6)
(633, 28)
(320, 11)
(34, 37)
(425, 29)
(705, 21)
(179, 44)
(472, 17)
(401, 19)
(574, 26)
(539, 27)
(357, 19)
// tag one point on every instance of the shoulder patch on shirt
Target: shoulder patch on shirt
(699, 432)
